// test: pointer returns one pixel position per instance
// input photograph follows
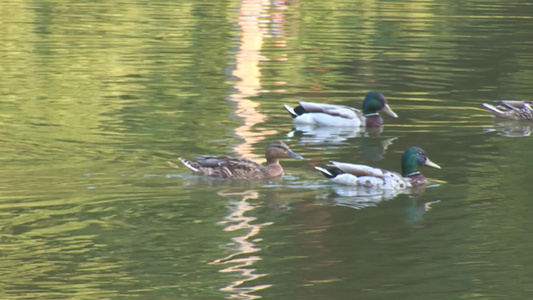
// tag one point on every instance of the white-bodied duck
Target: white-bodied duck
(338, 115)
(375, 178)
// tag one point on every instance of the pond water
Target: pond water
(97, 97)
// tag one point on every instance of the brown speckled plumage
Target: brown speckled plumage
(417, 179)
(241, 168)
(513, 110)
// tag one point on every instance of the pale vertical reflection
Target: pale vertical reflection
(249, 73)
(241, 261)
(248, 85)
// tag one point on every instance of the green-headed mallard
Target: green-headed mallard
(241, 168)
(512, 109)
(369, 177)
(338, 115)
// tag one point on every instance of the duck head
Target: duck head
(414, 157)
(374, 102)
(279, 149)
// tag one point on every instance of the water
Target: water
(97, 97)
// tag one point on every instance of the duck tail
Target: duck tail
(290, 110)
(189, 164)
(326, 173)
(492, 108)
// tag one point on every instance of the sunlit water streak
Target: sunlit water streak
(242, 260)
(248, 85)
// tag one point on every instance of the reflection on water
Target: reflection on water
(511, 128)
(205, 181)
(360, 197)
(325, 135)
(414, 211)
(248, 74)
(248, 85)
(371, 144)
(243, 246)
(355, 198)
(363, 197)
(374, 149)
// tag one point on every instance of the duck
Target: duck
(512, 109)
(339, 115)
(376, 178)
(227, 167)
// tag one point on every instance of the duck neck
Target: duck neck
(272, 161)
(373, 120)
(412, 174)
(409, 165)
(273, 168)
(416, 178)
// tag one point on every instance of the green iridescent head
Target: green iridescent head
(374, 102)
(414, 157)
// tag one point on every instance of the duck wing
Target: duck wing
(373, 177)
(364, 176)
(359, 170)
(512, 109)
(512, 104)
(331, 109)
(232, 167)
(207, 161)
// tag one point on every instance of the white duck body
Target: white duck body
(375, 178)
(343, 116)
(368, 177)
(328, 115)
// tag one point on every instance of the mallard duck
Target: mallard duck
(338, 115)
(512, 109)
(369, 177)
(241, 168)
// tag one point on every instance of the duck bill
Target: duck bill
(294, 155)
(389, 111)
(429, 163)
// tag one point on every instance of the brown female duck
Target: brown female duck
(512, 109)
(241, 168)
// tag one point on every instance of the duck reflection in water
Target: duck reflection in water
(204, 181)
(360, 198)
(345, 196)
(373, 146)
(511, 128)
